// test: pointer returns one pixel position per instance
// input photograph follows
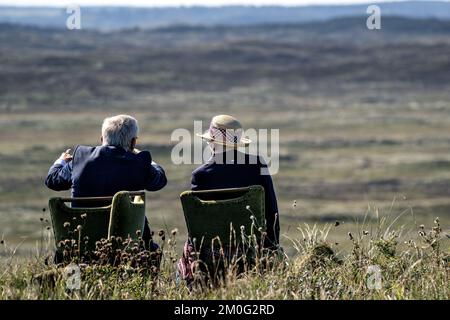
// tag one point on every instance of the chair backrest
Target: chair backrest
(127, 216)
(122, 218)
(211, 213)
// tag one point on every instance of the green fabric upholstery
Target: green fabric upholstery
(122, 218)
(127, 216)
(210, 214)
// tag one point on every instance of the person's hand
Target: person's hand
(66, 156)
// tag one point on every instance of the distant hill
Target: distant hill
(52, 67)
(342, 30)
(114, 18)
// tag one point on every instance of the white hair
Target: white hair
(119, 131)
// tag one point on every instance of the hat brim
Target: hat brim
(242, 143)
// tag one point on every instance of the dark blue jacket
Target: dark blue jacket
(105, 170)
(221, 173)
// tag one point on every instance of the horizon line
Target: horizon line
(207, 5)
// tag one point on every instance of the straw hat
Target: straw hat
(225, 130)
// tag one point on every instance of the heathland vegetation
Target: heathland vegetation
(363, 118)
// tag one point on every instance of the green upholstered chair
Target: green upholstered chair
(121, 218)
(217, 213)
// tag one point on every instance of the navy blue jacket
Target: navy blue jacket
(221, 173)
(105, 170)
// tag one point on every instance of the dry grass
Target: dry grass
(411, 267)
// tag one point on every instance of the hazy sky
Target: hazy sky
(179, 2)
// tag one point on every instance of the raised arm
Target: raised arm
(158, 179)
(59, 176)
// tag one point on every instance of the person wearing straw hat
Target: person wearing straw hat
(225, 131)
(230, 168)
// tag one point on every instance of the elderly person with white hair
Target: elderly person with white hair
(114, 166)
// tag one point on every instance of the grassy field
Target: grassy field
(384, 263)
(364, 129)
(336, 166)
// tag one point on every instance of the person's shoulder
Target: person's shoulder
(262, 162)
(255, 159)
(201, 169)
(82, 150)
(143, 156)
(81, 153)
